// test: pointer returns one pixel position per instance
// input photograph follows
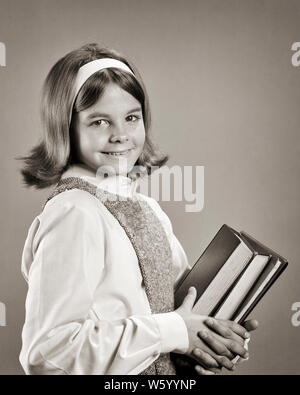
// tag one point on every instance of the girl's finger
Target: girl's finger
(250, 325)
(204, 372)
(214, 343)
(205, 359)
(219, 327)
(226, 363)
(189, 300)
(238, 329)
(238, 349)
(233, 337)
(216, 370)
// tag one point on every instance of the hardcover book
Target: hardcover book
(231, 276)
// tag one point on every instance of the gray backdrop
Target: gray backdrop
(224, 95)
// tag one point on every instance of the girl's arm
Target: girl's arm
(64, 261)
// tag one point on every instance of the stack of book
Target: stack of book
(231, 276)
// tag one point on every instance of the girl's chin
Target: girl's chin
(109, 169)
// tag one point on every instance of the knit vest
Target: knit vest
(152, 248)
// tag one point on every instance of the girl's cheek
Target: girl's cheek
(143, 138)
(140, 132)
(95, 140)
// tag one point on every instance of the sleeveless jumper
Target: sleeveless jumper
(152, 248)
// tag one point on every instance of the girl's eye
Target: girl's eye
(99, 122)
(132, 118)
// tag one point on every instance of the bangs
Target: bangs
(94, 87)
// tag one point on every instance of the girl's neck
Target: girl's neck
(79, 170)
(82, 170)
(117, 184)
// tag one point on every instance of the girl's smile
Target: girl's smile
(118, 153)
(111, 132)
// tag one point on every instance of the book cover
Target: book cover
(231, 276)
(208, 264)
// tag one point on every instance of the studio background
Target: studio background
(224, 95)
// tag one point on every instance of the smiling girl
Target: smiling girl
(101, 260)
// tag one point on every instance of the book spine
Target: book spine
(259, 291)
(240, 290)
(224, 279)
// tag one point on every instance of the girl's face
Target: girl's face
(111, 133)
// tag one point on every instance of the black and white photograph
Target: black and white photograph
(150, 199)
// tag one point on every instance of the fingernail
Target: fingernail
(196, 351)
(247, 335)
(210, 321)
(203, 334)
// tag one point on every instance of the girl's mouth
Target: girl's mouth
(116, 153)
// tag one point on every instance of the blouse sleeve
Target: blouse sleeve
(63, 261)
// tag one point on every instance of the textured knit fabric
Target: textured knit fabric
(152, 248)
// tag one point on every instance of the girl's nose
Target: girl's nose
(120, 139)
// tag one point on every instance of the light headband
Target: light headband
(87, 70)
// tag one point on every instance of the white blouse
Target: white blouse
(86, 308)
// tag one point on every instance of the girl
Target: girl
(101, 260)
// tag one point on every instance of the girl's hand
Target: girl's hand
(227, 330)
(203, 350)
(228, 339)
(249, 325)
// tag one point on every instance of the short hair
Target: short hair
(55, 152)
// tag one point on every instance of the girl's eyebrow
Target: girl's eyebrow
(97, 114)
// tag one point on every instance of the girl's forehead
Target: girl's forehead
(114, 98)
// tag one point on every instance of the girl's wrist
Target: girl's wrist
(173, 332)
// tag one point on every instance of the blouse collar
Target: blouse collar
(117, 184)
